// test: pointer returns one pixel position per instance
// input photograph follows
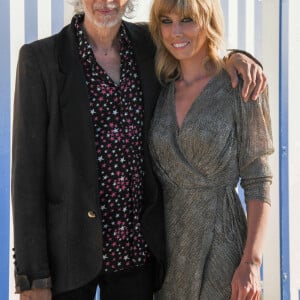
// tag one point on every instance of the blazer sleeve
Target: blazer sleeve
(28, 186)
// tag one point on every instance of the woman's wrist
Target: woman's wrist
(252, 258)
(234, 51)
(251, 263)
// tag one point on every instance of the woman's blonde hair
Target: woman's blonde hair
(207, 13)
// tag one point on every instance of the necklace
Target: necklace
(106, 51)
(102, 50)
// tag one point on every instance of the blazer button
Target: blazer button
(91, 214)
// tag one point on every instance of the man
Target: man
(87, 208)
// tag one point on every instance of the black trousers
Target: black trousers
(135, 284)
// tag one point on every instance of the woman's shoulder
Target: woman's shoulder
(225, 80)
(167, 89)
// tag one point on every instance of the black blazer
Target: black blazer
(54, 169)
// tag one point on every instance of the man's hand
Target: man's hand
(254, 78)
(36, 294)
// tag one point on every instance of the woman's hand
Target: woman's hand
(254, 78)
(246, 284)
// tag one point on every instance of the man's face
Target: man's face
(104, 13)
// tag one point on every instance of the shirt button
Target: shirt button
(91, 214)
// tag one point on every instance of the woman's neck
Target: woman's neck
(192, 73)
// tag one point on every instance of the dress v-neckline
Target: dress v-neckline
(190, 110)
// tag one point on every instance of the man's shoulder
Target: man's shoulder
(140, 35)
(138, 30)
(50, 41)
(143, 26)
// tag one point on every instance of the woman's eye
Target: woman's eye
(165, 21)
(186, 20)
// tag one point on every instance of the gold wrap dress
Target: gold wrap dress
(222, 140)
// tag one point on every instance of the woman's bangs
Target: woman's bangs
(180, 7)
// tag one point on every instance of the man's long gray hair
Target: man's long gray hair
(78, 8)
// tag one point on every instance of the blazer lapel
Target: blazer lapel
(75, 106)
(74, 95)
(144, 53)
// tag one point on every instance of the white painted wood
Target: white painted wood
(270, 58)
(44, 18)
(294, 148)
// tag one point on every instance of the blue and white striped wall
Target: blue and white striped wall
(270, 29)
(4, 148)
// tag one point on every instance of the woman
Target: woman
(203, 139)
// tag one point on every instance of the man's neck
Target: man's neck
(101, 38)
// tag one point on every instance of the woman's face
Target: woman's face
(104, 13)
(183, 37)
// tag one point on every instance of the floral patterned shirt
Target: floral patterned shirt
(117, 117)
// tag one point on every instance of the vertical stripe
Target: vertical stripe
(249, 16)
(246, 21)
(225, 8)
(57, 15)
(233, 24)
(16, 41)
(31, 26)
(258, 26)
(283, 142)
(97, 294)
(4, 146)
(68, 12)
(44, 18)
(241, 195)
(294, 146)
(242, 28)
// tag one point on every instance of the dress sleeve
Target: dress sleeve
(255, 145)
